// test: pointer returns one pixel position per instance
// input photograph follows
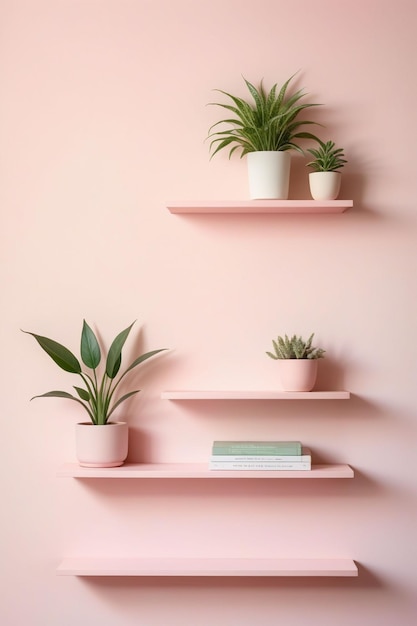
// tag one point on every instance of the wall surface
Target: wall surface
(103, 120)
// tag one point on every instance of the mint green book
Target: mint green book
(265, 448)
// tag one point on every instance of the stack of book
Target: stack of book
(259, 455)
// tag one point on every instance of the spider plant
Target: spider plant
(327, 158)
(295, 348)
(98, 396)
(269, 123)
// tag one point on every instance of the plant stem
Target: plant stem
(89, 383)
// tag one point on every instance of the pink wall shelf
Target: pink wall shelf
(254, 395)
(98, 566)
(262, 206)
(198, 470)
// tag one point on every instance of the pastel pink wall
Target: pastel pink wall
(103, 118)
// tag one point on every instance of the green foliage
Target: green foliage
(295, 348)
(328, 158)
(98, 396)
(269, 124)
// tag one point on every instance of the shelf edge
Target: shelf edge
(173, 471)
(218, 567)
(254, 207)
(253, 395)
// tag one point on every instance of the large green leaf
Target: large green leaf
(120, 400)
(258, 96)
(114, 356)
(57, 394)
(68, 396)
(143, 358)
(135, 363)
(83, 393)
(63, 357)
(90, 349)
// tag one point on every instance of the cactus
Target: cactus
(295, 348)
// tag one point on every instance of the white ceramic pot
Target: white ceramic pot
(324, 185)
(101, 446)
(269, 174)
(298, 374)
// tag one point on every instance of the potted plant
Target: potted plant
(326, 176)
(265, 130)
(100, 441)
(298, 360)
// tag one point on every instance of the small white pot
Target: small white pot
(269, 174)
(324, 185)
(298, 374)
(101, 446)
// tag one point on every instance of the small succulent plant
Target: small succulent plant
(327, 158)
(295, 348)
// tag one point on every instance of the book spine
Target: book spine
(233, 458)
(214, 465)
(258, 444)
(260, 451)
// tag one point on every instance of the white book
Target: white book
(263, 466)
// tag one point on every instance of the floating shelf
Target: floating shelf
(97, 566)
(263, 206)
(200, 470)
(255, 395)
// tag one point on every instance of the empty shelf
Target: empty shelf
(209, 394)
(98, 566)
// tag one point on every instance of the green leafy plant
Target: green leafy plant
(98, 396)
(270, 123)
(295, 348)
(327, 158)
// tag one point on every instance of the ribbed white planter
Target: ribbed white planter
(298, 374)
(101, 446)
(325, 185)
(269, 174)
